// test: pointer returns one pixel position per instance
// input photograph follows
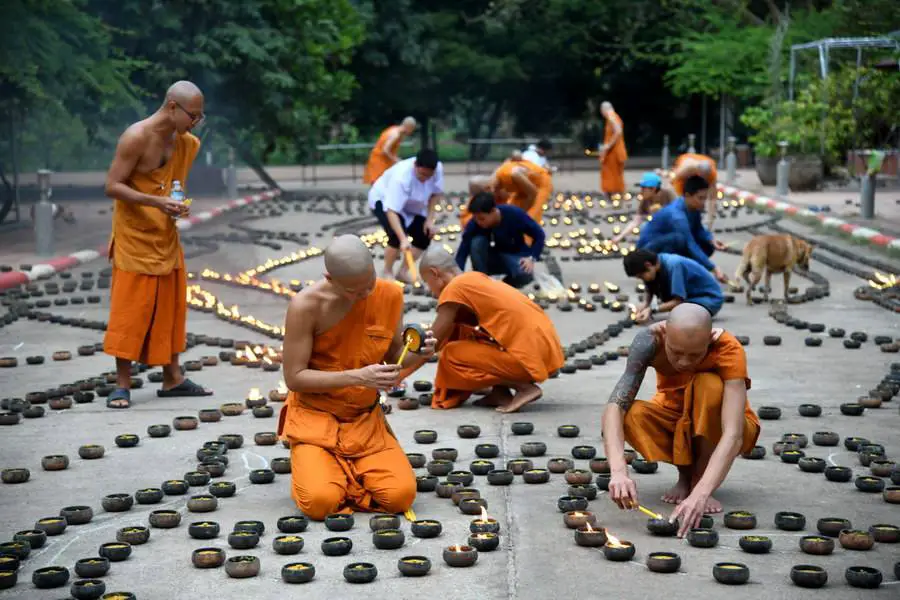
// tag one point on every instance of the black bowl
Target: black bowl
(426, 528)
(360, 572)
(336, 546)
(298, 572)
(809, 576)
(703, 538)
(863, 577)
(755, 544)
(731, 573)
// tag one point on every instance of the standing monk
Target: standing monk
(612, 153)
(524, 184)
(148, 305)
(384, 154)
(489, 334)
(688, 165)
(699, 420)
(342, 340)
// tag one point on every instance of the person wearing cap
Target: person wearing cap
(673, 279)
(537, 153)
(403, 200)
(495, 241)
(653, 197)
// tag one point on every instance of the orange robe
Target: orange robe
(689, 405)
(344, 456)
(678, 183)
(612, 172)
(538, 176)
(148, 304)
(378, 163)
(500, 336)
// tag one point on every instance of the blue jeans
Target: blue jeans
(489, 261)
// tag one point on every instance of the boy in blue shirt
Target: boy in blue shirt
(495, 239)
(678, 229)
(673, 279)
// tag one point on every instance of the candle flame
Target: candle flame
(588, 527)
(282, 388)
(250, 354)
(613, 541)
(484, 515)
(456, 548)
(267, 360)
(254, 394)
(883, 281)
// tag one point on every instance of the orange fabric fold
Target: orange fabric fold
(612, 174)
(340, 438)
(468, 365)
(661, 430)
(147, 316)
(678, 183)
(538, 176)
(378, 163)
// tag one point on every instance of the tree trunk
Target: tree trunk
(424, 130)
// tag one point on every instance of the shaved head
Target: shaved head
(183, 92)
(183, 106)
(408, 125)
(347, 257)
(515, 155)
(438, 257)
(605, 108)
(479, 183)
(688, 335)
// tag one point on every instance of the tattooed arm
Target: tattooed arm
(640, 355)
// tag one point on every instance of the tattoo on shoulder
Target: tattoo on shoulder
(640, 355)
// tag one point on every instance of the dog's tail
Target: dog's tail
(745, 266)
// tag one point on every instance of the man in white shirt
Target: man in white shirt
(403, 201)
(537, 153)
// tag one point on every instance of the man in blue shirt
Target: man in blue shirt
(495, 239)
(677, 228)
(673, 279)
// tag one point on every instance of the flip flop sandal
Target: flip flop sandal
(185, 388)
(119, 394)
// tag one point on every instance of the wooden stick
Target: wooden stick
(411, 265)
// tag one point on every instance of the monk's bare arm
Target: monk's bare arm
(734, 399)
(528, 189)
(442, 327)
(299, 331)
(640, 355)
(691, 166)
(128, 153)
(393, 138)
(617, 133)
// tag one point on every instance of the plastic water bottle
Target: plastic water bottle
(177, 192)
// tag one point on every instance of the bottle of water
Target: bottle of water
(177, 192)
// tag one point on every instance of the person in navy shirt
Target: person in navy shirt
(678, 229)
(495, 240)
(673, 279)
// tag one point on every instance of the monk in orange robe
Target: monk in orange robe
(384, 155)
(687, 165)
(342, 342)
(699, 420)
(477, 184)
(612, 153)
(489, 336)
(148, 304)
(523, 183)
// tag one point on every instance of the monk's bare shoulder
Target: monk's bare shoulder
(640, 356)
(306, 304)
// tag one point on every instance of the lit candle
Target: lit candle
(460, 556)
(617, 550)
(484, 524)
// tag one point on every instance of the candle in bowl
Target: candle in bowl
(485, 541)
(279, 394)
(484, 524)
(590, 537)
(460, 556)
(577, 518)
(617, 550)
(255, 398)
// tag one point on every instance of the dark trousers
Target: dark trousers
(490, 261)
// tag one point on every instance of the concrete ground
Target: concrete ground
(537, 557)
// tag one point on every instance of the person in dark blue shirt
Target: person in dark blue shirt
(495, 240)
(673, 279)
(678, 229)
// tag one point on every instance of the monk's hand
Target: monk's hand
(689, 512)
(643, 315)
(527, 264)
(623, 491)
(171, 207)
(380, 377)
(429, 344)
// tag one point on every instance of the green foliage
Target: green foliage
(796, 122)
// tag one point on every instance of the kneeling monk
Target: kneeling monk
(489, 334)
(338, 335)
(699, 420)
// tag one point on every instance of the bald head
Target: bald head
(515, 155)
(690, 319)
(479, 183)
(408, 124)
(688, 335)
(347, 257)
(440, 258)
(606, 108)
(183, 92)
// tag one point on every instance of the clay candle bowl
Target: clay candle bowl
(426, 483)
(768, 413)
(522, 428)
(618, 550)
(50, 577)
(91, 451)
(298, 572)
(208, 558)
(241, 567)
(578, 477)
(644, 467)
(852, 409)
(703, 538)
(232, 441)
(203, 530)
(463, 477)
(484, 524)
(792, 457)
(487, 450)
(243, 540)
(811, 464)
(378, 522)
(55, 462)
(560, 465)
(600, 464)
(287, 544)
(809, 410)
(223, 489)
(52, 525)
(87, 589)
(838, 474)
(460, 556)
(533, 449)
(481, 467)
(590, 537)
(855, 539)
(339, 522)
(20, 550)
(500, 477)
(883, 534)
(439, 468)
(568, 431)
(853, 443)
(578, 518)
(571, 503)
(536, 476)
(584, 452)
(445, 454)
(891, 494)
(165, 519)
(881, 468)
(872, 485)
(127, 440)
(789, 521)
(281, 465)
(663, 562)
(91, 568)
(832, 526)
(36, 538)
(662, 527)
(863, 577)
(586, 491)
(755, 453)
(115, 551)
(76, 515)
(817, 544)
(472, 506)
(485, 541)
(519, 465)
(468, 431)
(755, 544)
(740, 520)
(425, 436)
(388, 539)
(414, 566)
(262, 476)
(265, 438)
(426, 528)
(416, 460)
(809, 576)
(445, 489)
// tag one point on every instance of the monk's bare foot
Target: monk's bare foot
(526, 394)
(678, 492)
(713, 506)
(499, 396)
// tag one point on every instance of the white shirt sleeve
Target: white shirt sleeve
(396, 193)
(533, 157)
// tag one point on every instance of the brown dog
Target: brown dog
(774, 254)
